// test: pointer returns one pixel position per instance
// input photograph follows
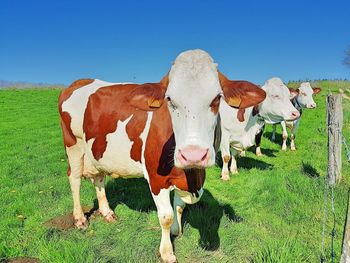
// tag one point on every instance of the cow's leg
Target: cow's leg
(258, 141)
(75, 158)
(233, 167)
(284, 135)
(273, 137)
(165, 216)
(293, 133)
(103, 206)
(179, 206)
(226, 155)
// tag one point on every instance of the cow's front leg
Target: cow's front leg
(225, 155)
(284, 135)
(292, 143)
(293, 133)
(165, 216)
(103, 206)
(258, 141)
(179, 206)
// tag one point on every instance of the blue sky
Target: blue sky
(61, 41)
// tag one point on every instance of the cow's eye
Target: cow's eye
(275, 96)
(171, 103)
(304, 94)
(214, 105)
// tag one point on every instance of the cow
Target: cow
(162, 131)
(243, 128)
(301, 99)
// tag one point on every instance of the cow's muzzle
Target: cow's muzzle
(193, 156)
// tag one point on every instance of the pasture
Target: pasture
(272, 211)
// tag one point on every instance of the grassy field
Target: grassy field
(272, 211)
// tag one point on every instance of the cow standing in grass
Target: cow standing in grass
(301, 98)
(126, 130)
(243, 128)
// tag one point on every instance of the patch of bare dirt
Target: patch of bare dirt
(66, 221)
(22, 260)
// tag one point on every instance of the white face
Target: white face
(192, 90)
(277, 106)
(305, 98)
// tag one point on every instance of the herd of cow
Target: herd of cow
(169, 132)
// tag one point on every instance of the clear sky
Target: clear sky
(61, 41)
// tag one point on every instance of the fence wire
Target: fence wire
(347, 150)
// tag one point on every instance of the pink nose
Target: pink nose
(193, 156)
(295, 115)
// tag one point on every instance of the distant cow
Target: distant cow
(243, 128)
(301, 99)
(126, 130)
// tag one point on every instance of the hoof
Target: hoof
(225, 178)
(169, 259)
(284, 148)
(242, 154)
(81, 223)
(258, 154)
(108, 216)
(293, 148)
(234, 172)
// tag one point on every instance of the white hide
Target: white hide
(77, 102)
(277, 106)
(238, 135)
(193, 85)
(118, 162)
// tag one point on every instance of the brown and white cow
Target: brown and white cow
(242, 129)
(301, 99)
(126, 130)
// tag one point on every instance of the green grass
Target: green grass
(271, 212)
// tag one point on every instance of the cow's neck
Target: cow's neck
(297, 105)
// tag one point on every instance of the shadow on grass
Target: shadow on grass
(264, 151)
(278, 138)
(309, 171)
(205, 215)
(247, 162)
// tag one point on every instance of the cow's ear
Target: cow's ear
(316, 90)
(240, 94)
(147, 97)
(293, 93)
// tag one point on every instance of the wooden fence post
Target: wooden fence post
(335, 125)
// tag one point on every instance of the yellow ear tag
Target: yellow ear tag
(234, 102)
(153, 103)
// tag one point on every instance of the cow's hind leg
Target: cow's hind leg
(273, 137)
(233, 167)
(104, 209)
(165, 216)
(75, 155)
(284, 135)
(179, 206)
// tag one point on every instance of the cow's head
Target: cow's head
(192, 90)
(305, 98)
(193, 96)
(277, 105)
